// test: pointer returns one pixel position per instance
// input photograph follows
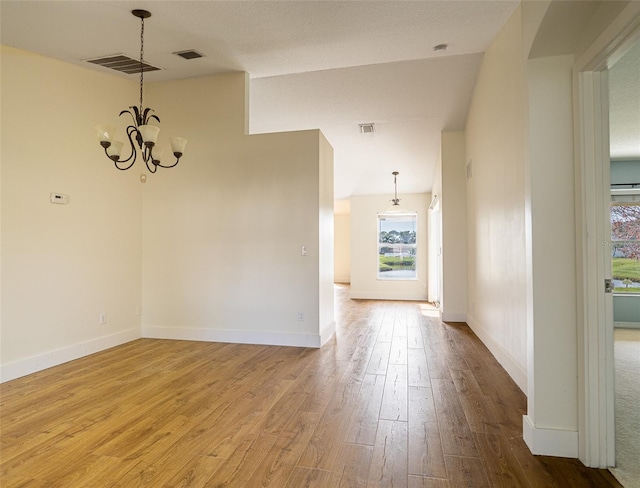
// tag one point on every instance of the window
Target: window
(397, 247)
(625, 244)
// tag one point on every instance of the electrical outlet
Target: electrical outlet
(103, 318)
(300, 316)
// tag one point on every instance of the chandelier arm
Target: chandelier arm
(170, 165)
(147, 154)
(152, 168)
(131, 132)
(124, 168)
(116, 162)
(120, 163)
(107, 152)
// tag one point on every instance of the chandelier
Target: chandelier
(140, 132)
(395, 201)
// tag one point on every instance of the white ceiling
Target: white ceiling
(313, 64)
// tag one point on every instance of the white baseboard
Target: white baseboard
(549, 442)
(385, 295)
(233, 336)
(327, 332)
(345, 280)
(517, 373)
(33, 364)
(454, 317)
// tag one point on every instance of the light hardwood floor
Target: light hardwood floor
(396, 399)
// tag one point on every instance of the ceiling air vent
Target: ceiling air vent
(189, 54)
(365, 128)
(122, 63)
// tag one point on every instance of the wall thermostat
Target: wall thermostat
(59, 198)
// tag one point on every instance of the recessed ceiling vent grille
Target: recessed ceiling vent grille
(122, 63)
(365, 128)
(189, 54)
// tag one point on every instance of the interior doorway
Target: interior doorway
(596, 369)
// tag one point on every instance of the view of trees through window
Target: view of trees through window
(397, 247)
(625, 246)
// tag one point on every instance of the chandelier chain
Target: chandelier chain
(395, 185)
(141, 60)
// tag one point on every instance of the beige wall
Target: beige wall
(552, 390)
(63, 265)
(521, 253)
(453, 208)
(496, 260)
(223, 231)
(364, 252)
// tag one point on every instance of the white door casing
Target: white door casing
(593, 240)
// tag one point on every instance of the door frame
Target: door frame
(596, 428)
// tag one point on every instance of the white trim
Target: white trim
(454, 316)
(233, 336)
(327, 333)
(595, 373)
(344, 280)
(386, 295)
(49, 359)
(619, 35)
(549, 442)
(511, 366)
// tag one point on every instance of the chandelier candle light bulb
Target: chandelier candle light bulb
(140, 132)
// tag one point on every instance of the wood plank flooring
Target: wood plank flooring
(396, 399)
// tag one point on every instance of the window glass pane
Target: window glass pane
(625, 247)
(625, 221)
(397, 230)
(397, 247)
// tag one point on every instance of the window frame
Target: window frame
(405, 216)
(618, 196)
